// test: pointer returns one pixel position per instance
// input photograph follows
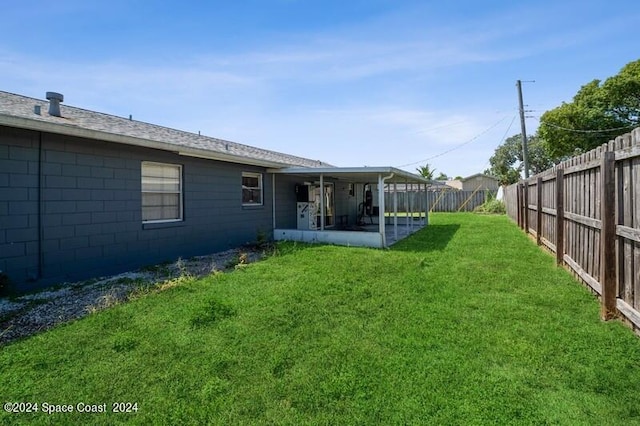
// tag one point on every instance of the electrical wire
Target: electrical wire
(457, 146)
(504, 137)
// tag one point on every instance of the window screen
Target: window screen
(161, 192)
(251, 188)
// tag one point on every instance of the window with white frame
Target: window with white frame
(251, 189)
(161, 192)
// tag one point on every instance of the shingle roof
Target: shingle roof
(18, 111)
(479, 175)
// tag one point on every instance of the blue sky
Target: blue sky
(352, 83)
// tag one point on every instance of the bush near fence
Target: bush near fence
(587, 211)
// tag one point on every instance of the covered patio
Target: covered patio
(356, 211)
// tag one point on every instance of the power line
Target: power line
(508, 128)
(455, 147)
(503, 138)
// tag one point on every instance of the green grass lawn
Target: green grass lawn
(466, 322)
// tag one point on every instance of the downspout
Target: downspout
(395, 211)
(322, 202)
(40, 209)
(273, 203)
(381, 224)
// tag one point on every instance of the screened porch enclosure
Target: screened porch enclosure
(351, 210)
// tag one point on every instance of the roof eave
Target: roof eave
(350, 170)
(67, 130)
(478, 174)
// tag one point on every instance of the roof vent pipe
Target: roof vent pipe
(54, 103)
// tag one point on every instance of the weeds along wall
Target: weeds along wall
(587, 211)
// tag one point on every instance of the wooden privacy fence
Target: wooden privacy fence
(439, 201)
(587, 211)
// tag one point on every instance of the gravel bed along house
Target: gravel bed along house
(31, 313)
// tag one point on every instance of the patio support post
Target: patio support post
(411, 209)
(381, 210)
(417, 205)
(395, 211)
(422, 219)
(406, 203)
(426, 205)
(321, 202)
(381, 227)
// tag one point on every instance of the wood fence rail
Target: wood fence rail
(587, 211)
(440, 201)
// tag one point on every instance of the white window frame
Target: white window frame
(180, 191)
(260, 187)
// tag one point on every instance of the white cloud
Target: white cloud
(237, 103)
(346, 96)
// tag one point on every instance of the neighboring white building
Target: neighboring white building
(477, 182)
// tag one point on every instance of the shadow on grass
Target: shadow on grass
(430, 238)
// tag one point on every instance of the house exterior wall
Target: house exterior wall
(484, 182)
(346, 207)
(286, 210)
(70, 208)
(286, 204)
(455, 183)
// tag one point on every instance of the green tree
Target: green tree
(442, 176)
(506, 162)
(597, 114)
(623, 94)
(426, 171)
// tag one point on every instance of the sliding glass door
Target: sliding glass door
(329, 205)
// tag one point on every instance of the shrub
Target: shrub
(492, 207)
(262, 238)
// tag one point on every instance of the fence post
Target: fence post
(539, 211)
(559, 216)
(608, 237)
(519, 205)
(525, 202)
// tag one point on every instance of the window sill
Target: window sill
(161, 225)
(252, 206)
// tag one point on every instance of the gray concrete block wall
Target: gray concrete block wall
(91, 209)
(18, 203)
(286, 207)
(345, 203)
(286, 200)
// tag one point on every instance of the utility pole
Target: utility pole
(525, 152)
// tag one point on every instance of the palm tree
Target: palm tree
(426, 171)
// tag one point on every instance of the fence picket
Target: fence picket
(438, 201)
(577, 206)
